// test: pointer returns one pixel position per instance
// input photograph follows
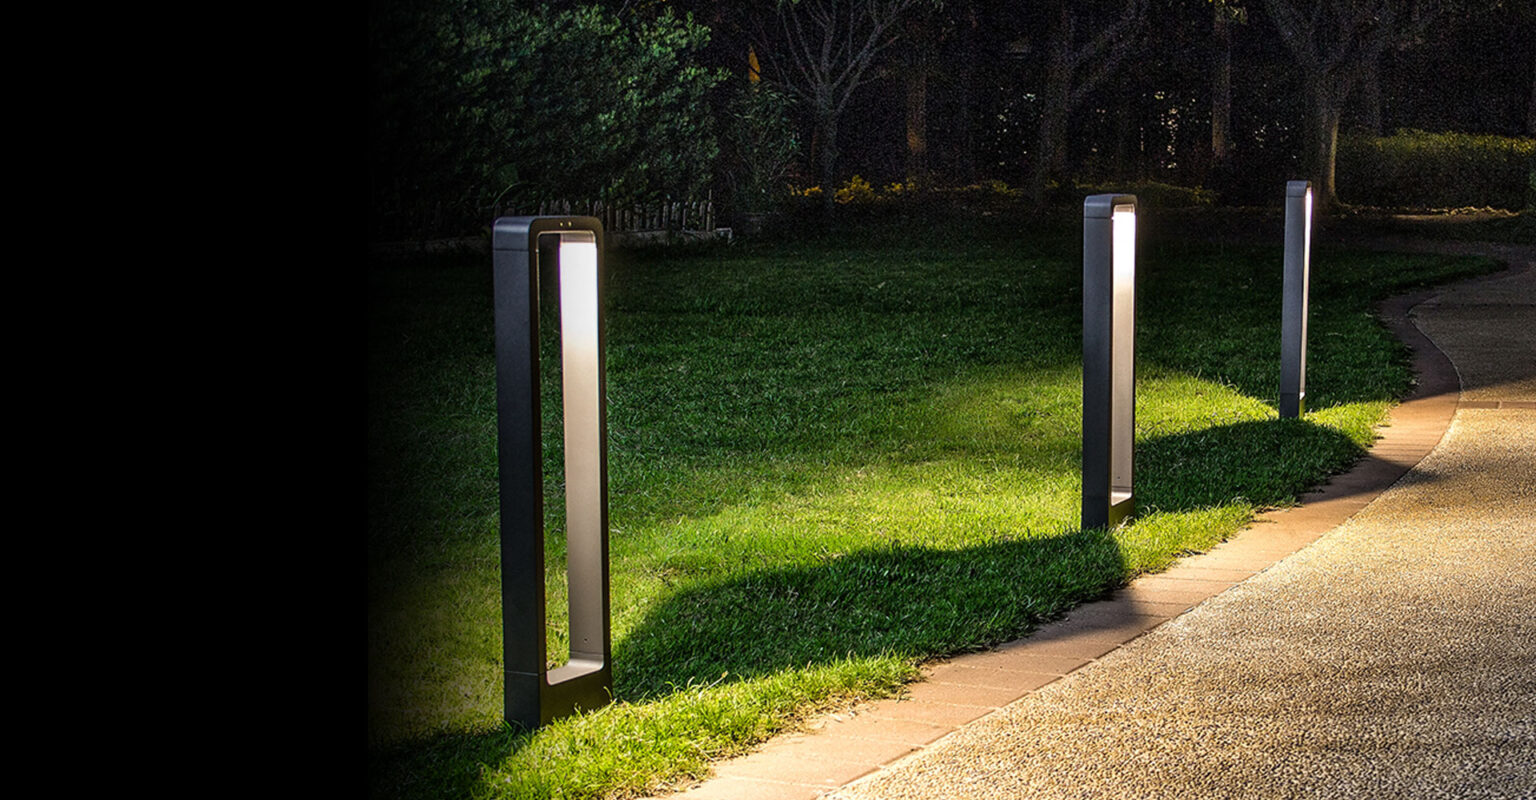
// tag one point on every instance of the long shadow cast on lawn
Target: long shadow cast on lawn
(915, 601)
(909, 601)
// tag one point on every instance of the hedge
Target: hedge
(1437, 170)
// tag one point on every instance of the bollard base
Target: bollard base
(1293, 406)
(1108, 512)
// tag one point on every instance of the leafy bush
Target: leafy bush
(1151, 194)
(762, 146)
(992, 196)
(991, 190)
(483, 104)
(856, 191)
(1437, 170)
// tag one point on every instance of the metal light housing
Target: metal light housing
(534, 694)
(1109, 359)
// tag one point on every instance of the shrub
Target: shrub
(1154, 195)
(762, 147)
(480, 106)
(856, 191)
(1437, 170)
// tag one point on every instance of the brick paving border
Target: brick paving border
(841, 748)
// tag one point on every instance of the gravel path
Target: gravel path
(1395, 657)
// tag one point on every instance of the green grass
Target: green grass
(830, 460)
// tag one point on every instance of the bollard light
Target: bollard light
(535, 695)
(1293, 311)
(1109, 358)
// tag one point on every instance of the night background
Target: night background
(846, 438)
(485, 106)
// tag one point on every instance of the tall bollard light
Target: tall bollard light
(1293, 312)
(1109, 358)
(535, 695)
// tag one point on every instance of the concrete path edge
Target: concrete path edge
(851, 746)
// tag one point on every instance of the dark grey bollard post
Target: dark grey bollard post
(534, 695)
(1293, 312)
(1109, 358)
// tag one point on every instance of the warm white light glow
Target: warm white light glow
(1124, 221)
(1308, 223)
(578, 293)
(581, 385)
(1123, 369)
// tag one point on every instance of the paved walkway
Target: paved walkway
(1372, 642)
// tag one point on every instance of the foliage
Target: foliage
(1155, 195)
(762, 147)
(595, 108)
(821, 53)
(985, 194)
(485, 103)
(1437, 170)
(634, 748)
(995, 195)
(856, 191)
(422, 177)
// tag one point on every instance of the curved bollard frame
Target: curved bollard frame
(1293, 311)
(535, 695)
(1109, 359)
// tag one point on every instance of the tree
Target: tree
(761, 147)
(1336, 44)
(1224, 14)
(917, 67)
(1084, 49)
(419, 51)
(483, 104)
(585, 105)
(820, 52)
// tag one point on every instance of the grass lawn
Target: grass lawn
(829, 461)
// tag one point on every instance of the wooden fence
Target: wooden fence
(677, 216)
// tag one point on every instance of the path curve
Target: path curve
(1372, 641)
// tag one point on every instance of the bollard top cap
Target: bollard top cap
(1297, 188)
(518, 233)
(1102, 206)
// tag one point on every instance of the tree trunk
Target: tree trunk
(1370, 97)
(917, 122)
(917, 64)
(1221, 90)
(1530, 110)
(1055, 106)
(826, 128)
(1050, 150)
(1322, 139)
(1066, 85)
(965, 161)
(1330, 135)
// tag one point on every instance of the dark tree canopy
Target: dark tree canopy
(483, 104)
(656, 97)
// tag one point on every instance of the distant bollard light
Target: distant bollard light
(1109, 358)
(1293, 312)
(534, 695)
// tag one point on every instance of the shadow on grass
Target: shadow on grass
(910, 601)
(917, 601)
(906, 601)
(1264, 462)
(443, 766)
